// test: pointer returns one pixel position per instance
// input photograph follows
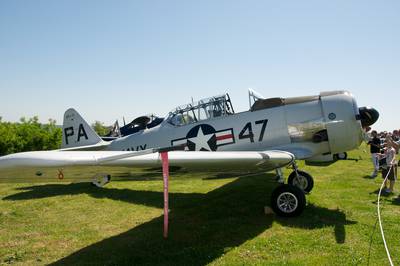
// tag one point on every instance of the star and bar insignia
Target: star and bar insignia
(205, 138)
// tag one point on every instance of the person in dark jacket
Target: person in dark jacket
(375, 149)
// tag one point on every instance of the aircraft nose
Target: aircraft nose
(368, 116)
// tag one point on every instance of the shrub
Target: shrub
(29, 135)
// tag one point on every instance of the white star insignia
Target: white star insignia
(201, 140)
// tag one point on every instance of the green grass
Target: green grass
(212, 221)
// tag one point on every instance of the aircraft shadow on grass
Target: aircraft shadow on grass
(202, 226)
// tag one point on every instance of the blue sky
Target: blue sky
(110, 59)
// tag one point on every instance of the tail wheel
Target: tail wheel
(288, 201)
(302, 180)
(101, 180)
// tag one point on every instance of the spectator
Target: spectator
(394, 143)
(390, 170)
(375, 149)
(395, 135)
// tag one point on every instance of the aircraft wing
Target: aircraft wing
(301, 153)
(83, 165)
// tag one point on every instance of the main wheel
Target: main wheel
(302, 180)
(288, 201)
(101, 180)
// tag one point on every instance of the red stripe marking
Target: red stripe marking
(229, 136)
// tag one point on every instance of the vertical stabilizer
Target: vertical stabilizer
(76, 132)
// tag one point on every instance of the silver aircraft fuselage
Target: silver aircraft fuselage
(293, 125)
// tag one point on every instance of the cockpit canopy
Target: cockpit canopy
(141, 123)
(204, 109)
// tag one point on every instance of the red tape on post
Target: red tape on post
(165, 168)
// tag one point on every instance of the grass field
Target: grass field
(217, 221)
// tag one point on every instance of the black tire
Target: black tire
(303, 181)
(288, 201)
(340, 156)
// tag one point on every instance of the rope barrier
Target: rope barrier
(379, 216)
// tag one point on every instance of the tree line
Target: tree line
(31, 135)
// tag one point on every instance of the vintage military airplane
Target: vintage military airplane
(272, 134)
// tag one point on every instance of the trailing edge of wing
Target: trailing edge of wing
(95, 147)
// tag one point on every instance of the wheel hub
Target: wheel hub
(287, 202)
(300, 181)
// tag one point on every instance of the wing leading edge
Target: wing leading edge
(83, 165)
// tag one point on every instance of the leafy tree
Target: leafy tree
(100, 129)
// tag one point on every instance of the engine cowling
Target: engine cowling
(345, 120)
